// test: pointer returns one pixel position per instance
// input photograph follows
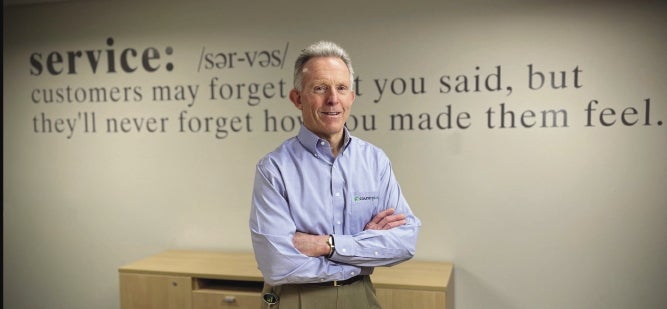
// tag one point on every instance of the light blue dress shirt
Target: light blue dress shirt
(302, 187)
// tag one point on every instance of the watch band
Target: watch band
(332, 246)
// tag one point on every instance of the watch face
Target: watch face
(270, 298)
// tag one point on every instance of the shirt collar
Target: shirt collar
(309, 140)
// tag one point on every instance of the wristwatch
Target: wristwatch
(332, 246)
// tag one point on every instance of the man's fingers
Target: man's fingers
(380, 216)
(386, 220)
(396, 223)
(392, 222)
(393, 218)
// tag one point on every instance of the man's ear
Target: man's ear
(295, 97)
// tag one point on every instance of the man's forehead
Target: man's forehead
(327, 74)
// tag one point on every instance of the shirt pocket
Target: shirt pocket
(364, 205)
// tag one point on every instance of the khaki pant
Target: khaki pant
(358, 295)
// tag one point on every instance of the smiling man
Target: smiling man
(326, 206)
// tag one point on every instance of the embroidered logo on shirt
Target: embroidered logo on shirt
(358, 198)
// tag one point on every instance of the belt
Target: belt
(339, 282)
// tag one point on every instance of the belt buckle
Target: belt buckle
(337, 283)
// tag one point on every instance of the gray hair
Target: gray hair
(320, 49)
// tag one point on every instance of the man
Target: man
(326, 207)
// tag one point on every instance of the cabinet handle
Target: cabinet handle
(229, 299)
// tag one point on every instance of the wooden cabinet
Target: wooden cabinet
(155, 291)
(207, 280)
(414, 284)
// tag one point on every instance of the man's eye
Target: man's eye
(342, 89)
(320, 89)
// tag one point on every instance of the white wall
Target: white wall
(555, 217)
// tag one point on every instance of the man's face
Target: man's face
(326, 98)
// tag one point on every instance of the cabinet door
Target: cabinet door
(410, 299)
(140, 291)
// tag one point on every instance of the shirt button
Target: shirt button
(352, 273)
(338, 222)
(322, 143)
(344, 250)
(337, 193)
(376, 253)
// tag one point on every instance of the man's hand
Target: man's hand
(386, 220)
(311, 245)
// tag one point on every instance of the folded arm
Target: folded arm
(318, 245)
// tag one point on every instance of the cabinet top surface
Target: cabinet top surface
(411, 274)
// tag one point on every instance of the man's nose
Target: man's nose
(332, 97)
